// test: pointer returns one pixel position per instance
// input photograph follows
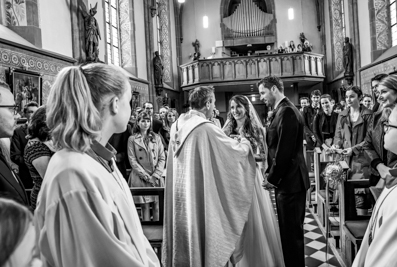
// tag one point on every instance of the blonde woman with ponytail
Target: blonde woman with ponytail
(85, 214)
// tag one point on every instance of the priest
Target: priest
(209, 186)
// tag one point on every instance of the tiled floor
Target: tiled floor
(315, 245)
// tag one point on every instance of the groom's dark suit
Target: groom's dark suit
(288, 172)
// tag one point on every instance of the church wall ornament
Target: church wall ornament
(163, 11)
(45, 63)
(337, 35)
(125, 33)
(382, 24)
(380, 31)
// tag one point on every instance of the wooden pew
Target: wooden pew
(321, 161)
(153, 230)
(352, 226)
(308, 154)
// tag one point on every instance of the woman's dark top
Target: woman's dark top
(35, 149)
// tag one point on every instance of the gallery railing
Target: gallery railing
(219, 70)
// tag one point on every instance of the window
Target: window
(393, 21)
(112, 32)
(342, 5)
(158, 27)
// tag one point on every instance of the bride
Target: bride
(261, 244)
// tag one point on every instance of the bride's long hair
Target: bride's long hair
(250, 128)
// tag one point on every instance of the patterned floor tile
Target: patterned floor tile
(315, 245)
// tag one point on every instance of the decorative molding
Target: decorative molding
(125, 33)
(337, 34)
(382, 24)
(16, 59)
(165, 39)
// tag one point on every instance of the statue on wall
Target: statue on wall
(305, 44)
(158, 70)
(196, 46)
(348, 57)
(92, 33)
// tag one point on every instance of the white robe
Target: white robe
(85, 217)
(208, 194)
(383, 250)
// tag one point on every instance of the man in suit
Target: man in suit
(156, 124)
(287, 172)
(309, 113)
(18, 144)
(10, 184)
(374, 85)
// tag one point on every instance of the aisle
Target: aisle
(314, 243)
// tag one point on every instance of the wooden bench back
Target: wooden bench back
(151, 191)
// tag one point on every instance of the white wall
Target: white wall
(192, 27)
(140, 41)
(56, 26)
(305, 20)
(364, 30)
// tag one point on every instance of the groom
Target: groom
(287, 172)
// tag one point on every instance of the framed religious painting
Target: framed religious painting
(26, 87)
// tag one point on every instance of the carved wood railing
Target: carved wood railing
(292, 65)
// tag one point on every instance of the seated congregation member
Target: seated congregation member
(85, 214)
(147, 159)
(156, 116)
(304, 101)
(119, 142)
(367, 101)
(309, 112)
(325, 123)
(379, 245)
(351, 130)
(155, 122)
(338, 108)
(10, 184)
(17, 235)
(19, 142)
(381, 160)
(170, 117)
(38, 151)
(207, 197)
(374, 86)
(163, 111)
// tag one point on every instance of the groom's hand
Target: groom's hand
(266, 185)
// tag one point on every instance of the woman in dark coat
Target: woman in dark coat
(324, 123)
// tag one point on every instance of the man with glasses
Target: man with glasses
(374, 85)
(156, 124)
(10, 184)
(18, 144)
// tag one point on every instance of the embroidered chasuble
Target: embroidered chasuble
(208, 194)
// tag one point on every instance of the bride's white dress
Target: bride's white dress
(260, 245)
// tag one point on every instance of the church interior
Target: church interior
(167, 48)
